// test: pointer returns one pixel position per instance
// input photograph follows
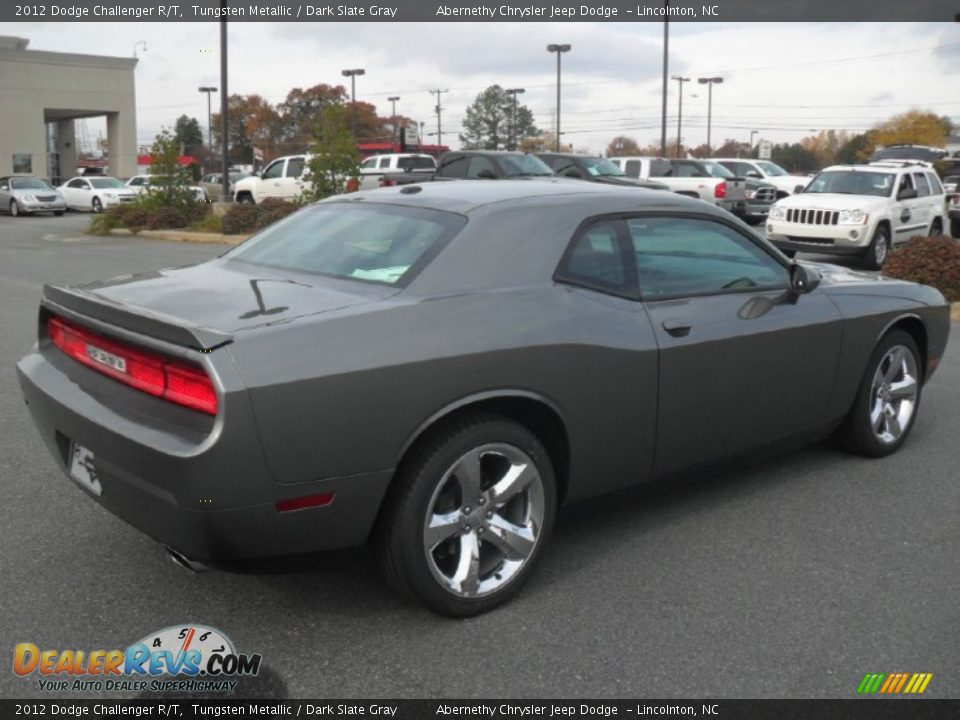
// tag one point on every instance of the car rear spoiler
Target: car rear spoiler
(136, 319)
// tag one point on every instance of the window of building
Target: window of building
(23, 163)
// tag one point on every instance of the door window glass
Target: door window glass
(478, 164)
(923, 187)
(678, 257)
(274, 170)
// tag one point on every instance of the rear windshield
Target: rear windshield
(374, 243)
(416, 163)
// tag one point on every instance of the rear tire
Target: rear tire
(876, 253)
(58, 213)
(888, 398)
(469, 515)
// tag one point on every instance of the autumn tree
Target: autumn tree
(622, 145)
(300, 113)
(542, 142)
(914, 127)
(490, 123)
(252, 122)
(733, 148)
(855, 149)
(796, 157)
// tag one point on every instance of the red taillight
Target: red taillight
(353, 185)
(384, 182)
(720, 190)
(178, 382)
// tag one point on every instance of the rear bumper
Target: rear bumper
(213, 500)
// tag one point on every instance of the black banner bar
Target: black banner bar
(858, 709)
(479, 11)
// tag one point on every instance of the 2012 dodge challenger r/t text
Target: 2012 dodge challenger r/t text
(436, 368)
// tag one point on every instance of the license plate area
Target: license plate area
(82, 469)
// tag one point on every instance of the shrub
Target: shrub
(106, 221)
(272, 210)
(210, 222)
(134, 217)
(933, 261)
(166, 217)
(240, 219)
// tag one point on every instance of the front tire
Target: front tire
(14, 209)
(936, 228)
(888, 398)
(467, 521)
(876, 253)
(96, 205)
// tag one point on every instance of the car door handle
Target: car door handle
(677, 328)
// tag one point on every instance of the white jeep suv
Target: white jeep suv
(860, 210)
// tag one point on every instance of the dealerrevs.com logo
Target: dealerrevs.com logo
(200, 659)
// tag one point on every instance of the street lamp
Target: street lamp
(513, 124)
(393, 114)
(680, 80)
(438, 110)
(666, 47)
(559, 50)
(137, 44)
(208, 90)
(352, 74)
(709, 82)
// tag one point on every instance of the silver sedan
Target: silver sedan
(24, 195)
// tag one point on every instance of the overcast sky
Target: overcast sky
(783, 79)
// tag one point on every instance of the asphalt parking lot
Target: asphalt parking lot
(788, 578)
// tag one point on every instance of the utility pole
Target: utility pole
(709, 82)
(680, 81)
(393, 115)
(559, 50)
(352, 74)
(224, 125)
(439, 109)
(666, 46)
(513, 124)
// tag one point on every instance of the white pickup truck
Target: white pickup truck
(281, 179)
(685, 179)
(373, 169)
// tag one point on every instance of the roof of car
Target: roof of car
(567, 155)
(873, 167)
(464, 196)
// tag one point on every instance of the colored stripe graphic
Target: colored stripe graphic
(894, 683)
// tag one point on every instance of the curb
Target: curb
(183, 236)
(955, 311)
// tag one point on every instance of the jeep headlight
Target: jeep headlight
(852, 217)
(778, 213)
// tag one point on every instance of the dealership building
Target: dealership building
(45, 92)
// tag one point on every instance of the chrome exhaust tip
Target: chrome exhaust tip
(183, 561)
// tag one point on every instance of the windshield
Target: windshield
(598, 167)
(716, 169)
(771, 168)
(375, 243)
(28, 184)
(105, 183)
(514, 165)
(848, 182)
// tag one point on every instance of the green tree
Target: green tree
(795, 158)
(187, 134)
(853, 150)
(169, 181)
(490, 123)
(335, 159)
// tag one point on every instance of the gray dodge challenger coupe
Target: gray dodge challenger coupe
(436, 368)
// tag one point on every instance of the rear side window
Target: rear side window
(660, 168)
(384, 163)
(374, 243)
(632, 168)
(596, 260)
(295, 167)
(416, 163)
(923, 187)
(935, 187)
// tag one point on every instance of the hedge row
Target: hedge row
(933, 261)
(243, 218)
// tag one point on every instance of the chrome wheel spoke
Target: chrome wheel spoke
(513, 482)
(905, 389)
(514, 541)
(877, 415)
(443, 526)
(467, 473)
(895, 366)
(893, 423)
(466, 579)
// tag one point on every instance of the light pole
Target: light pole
(393, 114)
(352, 74)
(710, 82)
(559, 50)
(438, 109)
(680, 81)
(137, 44)
(752, 133)
(666, 46)
(208, 90)
(224, 105)
(513, 123)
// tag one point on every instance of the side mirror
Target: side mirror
(803, 279)
(487, 175)
(907, 194)
(799, 189)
